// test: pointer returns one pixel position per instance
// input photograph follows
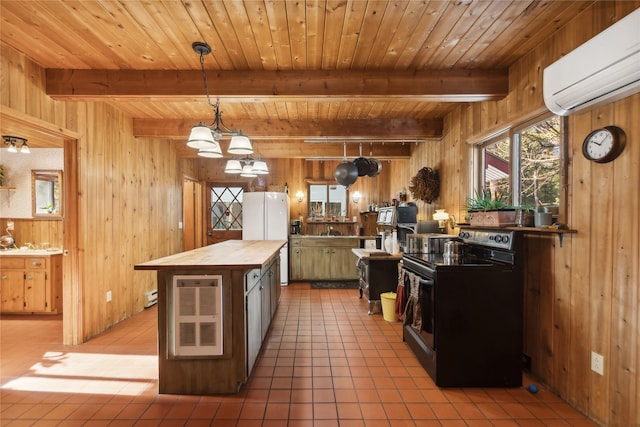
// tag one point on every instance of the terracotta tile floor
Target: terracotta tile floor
(325, 363)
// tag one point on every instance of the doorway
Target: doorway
(224, 211)
(192, 214)
(42, 134)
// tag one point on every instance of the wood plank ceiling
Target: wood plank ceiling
(285, 71)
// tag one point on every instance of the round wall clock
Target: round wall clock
(605, 144)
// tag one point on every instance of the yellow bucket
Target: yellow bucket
(388, 301)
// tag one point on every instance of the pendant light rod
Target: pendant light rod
(205, 137)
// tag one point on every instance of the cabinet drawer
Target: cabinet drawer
(252, 278)
(36, 263)
(12, 262)
(295, 242)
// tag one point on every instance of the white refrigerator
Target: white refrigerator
(265, 216)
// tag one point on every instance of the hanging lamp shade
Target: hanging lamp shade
(233, 166)
(240, 144)
(12, 148)
(247, 172)
(200, 137)
(25, 148)
(212, 152)
(260, 167)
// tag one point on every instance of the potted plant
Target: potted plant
(524, 216)
(1, 175)
(485, 209)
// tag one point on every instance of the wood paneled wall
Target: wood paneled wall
(296, 173)
(130, 205)
(128, 196)
(581, 296)
(35, 231)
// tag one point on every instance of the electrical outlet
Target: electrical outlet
(108, 296)
(597, 363)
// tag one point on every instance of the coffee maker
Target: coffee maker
(295, 226)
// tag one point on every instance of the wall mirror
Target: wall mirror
(46, 193)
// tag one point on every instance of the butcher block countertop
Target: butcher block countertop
(232, 254)
(375, 254)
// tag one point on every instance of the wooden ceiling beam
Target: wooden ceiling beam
(429, 85)
(379, 129)
(314, 151)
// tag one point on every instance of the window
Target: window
(327, 200)
(525, 164)
(226, 208)
(540, 166)
(497, 167)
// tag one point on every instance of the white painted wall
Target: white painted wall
(17, 173)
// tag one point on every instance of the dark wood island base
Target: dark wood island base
(248, 276)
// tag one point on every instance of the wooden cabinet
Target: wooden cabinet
(31, 284)
(262, 298)
(323, 258)
(276, 289)
(295, 259)
(265, 304)
(343, 264)
(369, 223)
(315, 263)
(254, 324)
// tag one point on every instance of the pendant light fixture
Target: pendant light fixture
(205, 137)
(233, 167)
(247, 167)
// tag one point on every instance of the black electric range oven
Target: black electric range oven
(464, 318)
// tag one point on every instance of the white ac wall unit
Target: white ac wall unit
(604, 69)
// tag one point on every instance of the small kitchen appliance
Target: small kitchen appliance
(295, 226)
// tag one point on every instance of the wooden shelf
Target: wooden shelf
(5, 187)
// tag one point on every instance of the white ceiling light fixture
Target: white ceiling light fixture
(11, 141)
(247, 167)
(203, 135)
(233, 167)
(260, 167)
(212, 152)
(247, 171)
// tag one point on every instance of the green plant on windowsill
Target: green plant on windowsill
(485, 210)
(483, 201)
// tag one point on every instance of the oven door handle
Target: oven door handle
(428, 282)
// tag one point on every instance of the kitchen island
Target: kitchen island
(215, 305)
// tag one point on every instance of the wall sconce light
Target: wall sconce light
(299, 196)
(442, 217)
(11, 141)
(356, 196)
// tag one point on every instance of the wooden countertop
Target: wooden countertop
(30, 252)
(232, 254)
(375, 254)
(313, 236)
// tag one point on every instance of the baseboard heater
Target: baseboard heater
(150, 298)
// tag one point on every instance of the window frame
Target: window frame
(513, 134)
(327, 185)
